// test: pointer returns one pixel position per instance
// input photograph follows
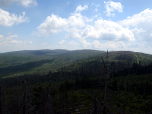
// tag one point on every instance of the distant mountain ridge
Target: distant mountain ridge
(56, 59)
(40, 61)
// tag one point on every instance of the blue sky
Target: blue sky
(76, 24)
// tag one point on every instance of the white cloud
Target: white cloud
(34, 33)
(8, 43)
(113, 44)
(96, 9)
(128, 17)
(134, 28)
(80, 8)
(52, 25)
(62, 46)
(25, 3)
(137, 31)
(85, 44)
(10, 37)
(73, 33)
(1, 37)
(97, 15)
(96, 44)
(16, 42)
(55, 24)
(107, 30)
(7, 19)
(87, 19)
(108, 45)
(13, 36)
(139, 44)
(8, 40)
(112, 6)
(77, 27)
(73, 43)
(142, 23)
(96, 6)
(62, 42)
(76, 20)
(142, 19)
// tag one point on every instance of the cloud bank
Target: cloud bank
(133, 32)
(77, 26)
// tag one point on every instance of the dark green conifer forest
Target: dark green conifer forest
(71, 82)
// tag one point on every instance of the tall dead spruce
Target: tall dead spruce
(110, 105)
(1, 104)
(105, 107)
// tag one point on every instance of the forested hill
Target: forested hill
(62, 81)
(93, 66)
(42, 61)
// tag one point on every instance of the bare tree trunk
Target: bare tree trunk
(105, 83)
(1, 104)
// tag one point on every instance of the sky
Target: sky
(118, 25)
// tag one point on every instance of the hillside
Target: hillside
(117, 59)
(77, 82)
(40, 61)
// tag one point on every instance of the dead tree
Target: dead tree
(96, 105)
(108, 94)
(1, 104)
(105, 84)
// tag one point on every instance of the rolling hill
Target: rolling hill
(42, 61)
(74, 79)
